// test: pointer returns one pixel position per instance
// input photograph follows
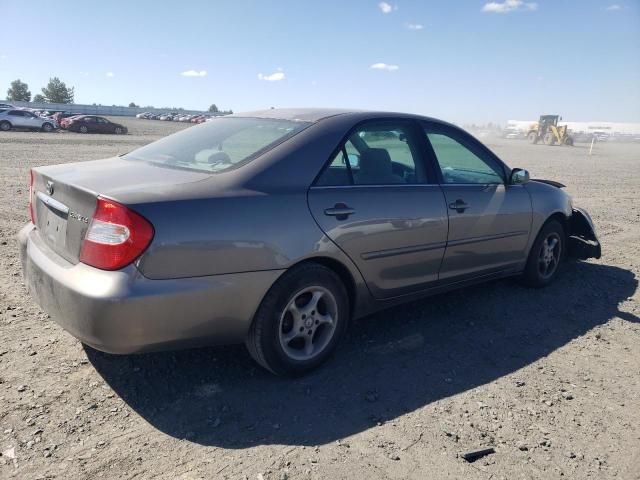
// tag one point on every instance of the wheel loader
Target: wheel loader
(548, 130)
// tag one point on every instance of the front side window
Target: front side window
(219, 145)
(459, 164)
(374, 154)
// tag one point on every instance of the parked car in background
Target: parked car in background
(169, 246)
(59, 116)
(95, 124)
(65, 122)
(25, 119)
(7, 106)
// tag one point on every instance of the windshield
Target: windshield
(218, 145)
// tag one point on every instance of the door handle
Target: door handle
(340, 211)
(459, 206)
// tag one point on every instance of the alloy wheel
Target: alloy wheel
(549, 255)
(308, 323)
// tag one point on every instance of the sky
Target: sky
(460, 60)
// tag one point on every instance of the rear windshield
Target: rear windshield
(218, 145)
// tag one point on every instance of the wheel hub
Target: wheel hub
(308, 323)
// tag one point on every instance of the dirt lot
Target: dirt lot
(550, 378)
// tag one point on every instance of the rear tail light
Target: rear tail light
(116, 236)
(33, 217)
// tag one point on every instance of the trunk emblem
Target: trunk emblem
(50, 187)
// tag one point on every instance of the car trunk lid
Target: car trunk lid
(64, 197)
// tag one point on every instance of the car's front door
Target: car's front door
(489, 219)
(376, 201)
(31, 120)
(103, 125)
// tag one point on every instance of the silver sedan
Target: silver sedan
(277, 228)
(16, 118)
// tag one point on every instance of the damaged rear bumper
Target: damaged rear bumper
(582, 240)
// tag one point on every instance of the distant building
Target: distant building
(611, 128)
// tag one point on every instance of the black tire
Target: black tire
(549, 139)
(118, 131)
(5, 126)
(47, 127)
(264, 340)
(533, 275)
(533, 137)
(83, 129)
(568, 141)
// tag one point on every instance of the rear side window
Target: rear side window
(377, 153)
(219, 145)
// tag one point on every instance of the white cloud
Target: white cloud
(614, 7)
(509, 6)
(386, 8)
(194, 73)
(110, 74)
(384, 66)
(274, 77)
(84, 74)
(414, 26)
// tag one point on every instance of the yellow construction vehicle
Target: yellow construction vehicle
(548, 130)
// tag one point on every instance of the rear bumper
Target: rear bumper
(125, 312)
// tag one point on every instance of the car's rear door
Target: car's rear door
(489, 219)
(377, 201)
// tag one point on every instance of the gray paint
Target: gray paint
(222, 240)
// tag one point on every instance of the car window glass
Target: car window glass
(385, 156)
(218, 145)
(336, 173)
(458, 164)
(378, 154)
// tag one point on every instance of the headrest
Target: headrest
(376, 160)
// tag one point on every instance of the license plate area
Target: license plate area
(53, 224)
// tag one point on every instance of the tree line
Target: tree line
(57, 91)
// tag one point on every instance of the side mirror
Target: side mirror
(519, 176)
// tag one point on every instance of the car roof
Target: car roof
(316, 114)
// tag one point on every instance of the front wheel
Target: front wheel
(47, 127)
(545, 255)
(549, 139)
(300, 321)
(119, 131)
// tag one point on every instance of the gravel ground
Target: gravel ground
(549, 378)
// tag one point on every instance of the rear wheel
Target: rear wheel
(83, 129)
(545, 255)
(533, 137)
(5, 126)
(300, 321)
(47, 127)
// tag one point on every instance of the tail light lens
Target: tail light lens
(116, 236)
(33, 217)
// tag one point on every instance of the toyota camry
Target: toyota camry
(277, 228)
